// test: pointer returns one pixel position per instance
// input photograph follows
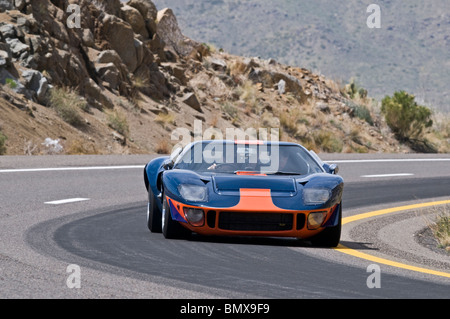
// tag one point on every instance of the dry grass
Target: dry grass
(30, 148)
(165, 119)
(214, 121)
(248, 93)
(237, 68)
(78, 147)
(328, 142)
(140, 82)
(230, 110)
(441, 228)
(3, 139)
(67, 105)
(163, 147)
(440, 133)
(293, 120)
(289, 120)
(439, 224)
(118, 122)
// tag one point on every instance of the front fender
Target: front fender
(173, 178)
(152, 172)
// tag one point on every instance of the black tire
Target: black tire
(153, 214)
(171, 229)
(330, 236)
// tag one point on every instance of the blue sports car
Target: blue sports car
(245, 188)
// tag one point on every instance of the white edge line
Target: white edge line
(54, 169)
(387, 175)
(391, 160)
(66, 201)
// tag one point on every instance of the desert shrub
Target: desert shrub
(360, 111)
(78, 147)
(3, 139)
(140, 82)
(248, 93)
(353, 90)
(119, 123)
(163, 147)
(11, 83)
(290, 120)
(405, 117)
(165, 119)
(328, 142)
(439, 225)
(67, 105)
(230, 110)
(441, 230)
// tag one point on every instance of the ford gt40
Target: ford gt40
(245, 188)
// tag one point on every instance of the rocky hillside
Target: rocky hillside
(126, 77)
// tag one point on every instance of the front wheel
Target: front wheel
(330, 236)
(171, 229)
(153, 214)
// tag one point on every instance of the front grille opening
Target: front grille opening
(211, 219)
(301, 220)
(242, 221)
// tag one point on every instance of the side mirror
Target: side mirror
(333, 169)
(170, 162)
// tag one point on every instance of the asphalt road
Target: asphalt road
(103, 232)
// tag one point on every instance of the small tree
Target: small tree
(405, 117)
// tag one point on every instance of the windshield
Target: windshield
(254, 158)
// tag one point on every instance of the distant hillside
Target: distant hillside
(410, 52)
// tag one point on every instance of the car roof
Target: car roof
(247, 142)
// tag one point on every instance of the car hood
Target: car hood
(226, 190)
(231, 185)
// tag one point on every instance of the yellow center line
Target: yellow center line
(355, 253)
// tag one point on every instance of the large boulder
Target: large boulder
(149, 13)
(110, 6)
(191, 100)
(6, 5)
(120, 37)
(135, 19)
(37, 83)
(110, 69)
(95, 96)
(5, 55)
(170, 33)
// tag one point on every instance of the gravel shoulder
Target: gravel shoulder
(401, 237)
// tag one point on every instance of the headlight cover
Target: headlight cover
(195, 216)
(316, 196)
(315, 219)
(193, 193)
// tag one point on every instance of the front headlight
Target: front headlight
(193, 193)
(195, 217)
(316, 196)
(315, 219)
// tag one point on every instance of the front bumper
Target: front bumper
(256, 221)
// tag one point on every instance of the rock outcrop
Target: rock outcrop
(114, 45)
